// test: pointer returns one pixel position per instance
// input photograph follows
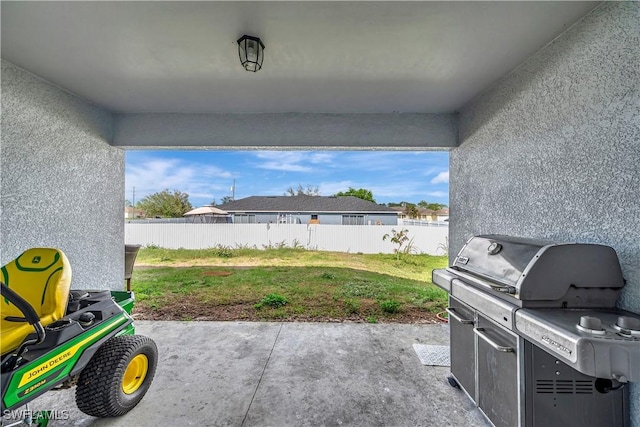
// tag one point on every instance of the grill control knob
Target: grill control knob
(590, 322)
(494, 248)
(630, 323)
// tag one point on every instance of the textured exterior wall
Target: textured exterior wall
(553, 151)
(61, 183)
(286, 131)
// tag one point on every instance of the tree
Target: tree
(433, 206)
(411, 210)
(226, 199)
(360, 193)
(395, 204)
(165, 204)
(311, 190)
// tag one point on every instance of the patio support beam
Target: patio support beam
(395, 131)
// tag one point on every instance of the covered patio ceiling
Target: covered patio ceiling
(320, 57)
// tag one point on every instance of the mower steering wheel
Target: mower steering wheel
(29, 313)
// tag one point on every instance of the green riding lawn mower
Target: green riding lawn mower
(53, 337)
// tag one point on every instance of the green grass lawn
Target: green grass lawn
(231, 284)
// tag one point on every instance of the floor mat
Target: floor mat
(433, 355)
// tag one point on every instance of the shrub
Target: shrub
(444, 247)
(390, 306)
(223, 251)
(295, 244)
(352, 306)
(272, 300)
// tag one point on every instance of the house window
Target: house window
(352, 219)
(244, 219)
(314, 217)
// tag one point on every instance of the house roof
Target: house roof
(424, 211)
(313, 204)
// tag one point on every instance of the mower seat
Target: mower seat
(42, 277)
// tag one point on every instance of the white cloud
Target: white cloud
(387, 162)
(293, 161)
(319, 157)
(286, 161)
(437, 193)
(331, 188)
(284, 167)
(156, 174)
(442, 177)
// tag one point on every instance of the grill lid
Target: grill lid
(543, 270)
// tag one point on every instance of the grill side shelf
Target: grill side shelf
(442, 278)
(549, 337)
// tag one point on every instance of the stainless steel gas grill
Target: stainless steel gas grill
(536, 339)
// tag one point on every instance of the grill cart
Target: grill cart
(536, 339)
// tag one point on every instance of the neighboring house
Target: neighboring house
(345, 210)
(441, 214)
(132, 213)
(424, 214)
(431, 215)
(400, 211)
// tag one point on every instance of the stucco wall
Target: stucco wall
(61, 183)
(390, 131)
(553, 150)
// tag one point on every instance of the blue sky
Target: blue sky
(392, 176)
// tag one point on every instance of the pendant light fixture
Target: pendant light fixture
(251, 52)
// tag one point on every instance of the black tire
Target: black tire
(452, 382)
(100, 392)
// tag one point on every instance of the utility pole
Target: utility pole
(233, 190)
(133, 203)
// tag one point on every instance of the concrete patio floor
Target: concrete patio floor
(288, 374)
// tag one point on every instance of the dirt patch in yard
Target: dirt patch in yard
(186, 309)
(215, 273)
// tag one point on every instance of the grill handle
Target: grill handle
(457, 317)
(485, 283)
(480, 333)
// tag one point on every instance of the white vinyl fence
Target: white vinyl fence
(338, 238)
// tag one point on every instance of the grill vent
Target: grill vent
(544, 386)
(584, 387)
(564, 387)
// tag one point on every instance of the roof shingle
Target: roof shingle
(303, 203)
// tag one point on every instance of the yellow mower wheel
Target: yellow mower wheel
(117, 376)
(135, 374)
